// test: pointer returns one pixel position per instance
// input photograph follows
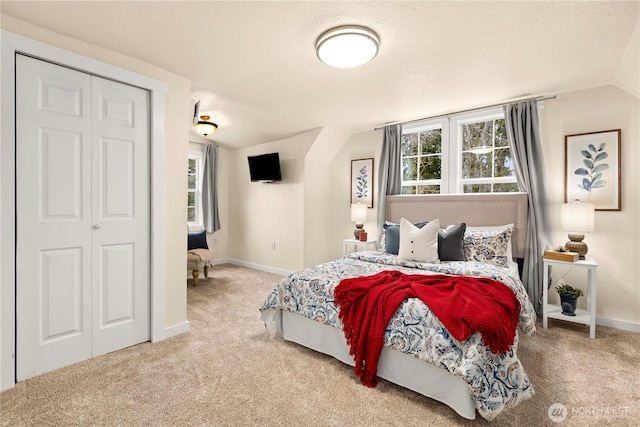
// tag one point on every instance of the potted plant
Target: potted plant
(568, 298)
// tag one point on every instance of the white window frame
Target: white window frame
(198, 224)
(442, 123)
(451, 181)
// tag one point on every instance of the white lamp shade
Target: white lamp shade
(358, 212)
(578, 217)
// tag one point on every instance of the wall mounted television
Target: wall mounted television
(265, 168)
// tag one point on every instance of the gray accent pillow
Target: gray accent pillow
(392, 236)
(451, 243)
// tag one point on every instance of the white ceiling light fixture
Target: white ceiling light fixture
(205, 127)
(347, 46)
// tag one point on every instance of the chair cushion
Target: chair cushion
(202, 255)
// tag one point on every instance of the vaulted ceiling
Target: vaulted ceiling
(254, 69)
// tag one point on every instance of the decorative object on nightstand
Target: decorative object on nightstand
(359, 216)
(568, 298)
(577, 218)
(561, 254)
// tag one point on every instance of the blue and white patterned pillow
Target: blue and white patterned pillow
(490, 247)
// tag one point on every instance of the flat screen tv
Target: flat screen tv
(265, 168)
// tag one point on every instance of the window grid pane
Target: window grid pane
(486, 162)
(421, 160)
(194, 215)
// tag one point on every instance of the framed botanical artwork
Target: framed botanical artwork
(362, 181)
(592, 169)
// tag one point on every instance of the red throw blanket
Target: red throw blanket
(463, 304)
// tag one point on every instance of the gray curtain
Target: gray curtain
(524, 138)
(389, 173)
(209, 189)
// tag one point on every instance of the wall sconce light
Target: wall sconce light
(359, 216)
(577, 218)
(204, 126)
(347, 46)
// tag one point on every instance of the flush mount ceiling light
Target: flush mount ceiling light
(205, 127)
(347, 46)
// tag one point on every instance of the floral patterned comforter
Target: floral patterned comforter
(496, 381)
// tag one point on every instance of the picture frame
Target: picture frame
(592, 169)
(362, 181)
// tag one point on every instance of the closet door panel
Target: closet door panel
(53, 221)
(120, 216)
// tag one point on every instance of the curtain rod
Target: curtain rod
(203, 143)
(401, 122)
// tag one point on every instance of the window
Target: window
(422, 160)
(466, 153)
(194, 191)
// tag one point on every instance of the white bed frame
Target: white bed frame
(394, 366)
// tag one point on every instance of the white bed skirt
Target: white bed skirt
(394, 366)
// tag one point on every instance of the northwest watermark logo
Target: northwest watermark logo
(558, 412)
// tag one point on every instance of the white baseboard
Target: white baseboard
(618, 324)
(258, 267)
(172, 331)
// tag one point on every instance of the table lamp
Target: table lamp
(577, 218)
(359, 216)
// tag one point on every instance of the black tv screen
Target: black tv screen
(265, 168)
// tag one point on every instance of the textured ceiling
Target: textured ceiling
(253, 64)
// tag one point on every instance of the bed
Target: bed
(419, 352)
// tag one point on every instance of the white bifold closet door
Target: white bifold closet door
(82, 216)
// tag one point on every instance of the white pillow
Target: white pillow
(419, 244)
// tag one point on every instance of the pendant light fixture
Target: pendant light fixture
(347, 46)
(204, 126)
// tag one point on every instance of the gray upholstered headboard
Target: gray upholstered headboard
(472, 209)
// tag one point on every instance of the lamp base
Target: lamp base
(575, 244)
(359, 228)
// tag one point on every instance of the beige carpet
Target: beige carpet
(227, 372)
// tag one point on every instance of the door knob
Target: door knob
(97, 226)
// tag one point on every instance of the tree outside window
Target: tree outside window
(194, 191)
(487, 166)
(472, 156)
(421, 162)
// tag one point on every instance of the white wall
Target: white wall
(615, 244)
(358, 146)
(318, 188)
(262, 215)
(307, 215)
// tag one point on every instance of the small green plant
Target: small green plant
(569, 291)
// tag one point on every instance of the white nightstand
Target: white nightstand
(588, 316)
(357, 244)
